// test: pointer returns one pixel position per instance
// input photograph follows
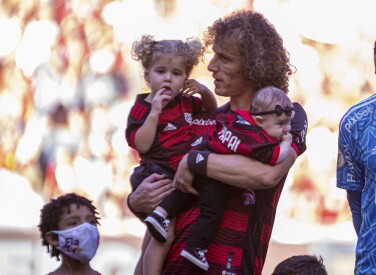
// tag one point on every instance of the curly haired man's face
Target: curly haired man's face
(226, 67)
(76, 216)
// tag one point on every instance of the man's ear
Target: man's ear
(146, 76)
(52, 239)
(259, 120)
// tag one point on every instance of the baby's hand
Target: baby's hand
(192, 87)
(287, 137)
(159, 101)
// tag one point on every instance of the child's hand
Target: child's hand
(192, 87)
(287, 137)
(159, 101)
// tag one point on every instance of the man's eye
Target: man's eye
(224, 58)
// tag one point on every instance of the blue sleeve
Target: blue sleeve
(354, 198)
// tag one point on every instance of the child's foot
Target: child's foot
(157, 226)
(196, 256)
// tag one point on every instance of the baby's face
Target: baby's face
(277, 126)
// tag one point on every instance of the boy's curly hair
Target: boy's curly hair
(51, 213)
(301, 265)
(145, 49)
(265, 61)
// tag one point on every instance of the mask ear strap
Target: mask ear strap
(52, 238)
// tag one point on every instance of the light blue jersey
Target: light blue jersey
(356, 171)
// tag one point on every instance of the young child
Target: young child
(159, 128)
(68, 227)
(263, 134)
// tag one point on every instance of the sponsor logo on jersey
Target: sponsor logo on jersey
(231, 141)
(200, 121)
(357, 116)
(346, 156)
(197, 142)
(169, 127)
(188, 118)
(241, 120)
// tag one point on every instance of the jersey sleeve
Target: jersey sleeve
(349, 171)
(136, 119)
(299, 125)
(267, 154)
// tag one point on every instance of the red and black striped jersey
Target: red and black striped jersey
(174, 131)
(242, 239)
(237, 133)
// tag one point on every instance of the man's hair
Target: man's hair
(265, 61)
(51, 213)
(301, 265)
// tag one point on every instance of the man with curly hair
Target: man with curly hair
(248, 56)
(68, 227)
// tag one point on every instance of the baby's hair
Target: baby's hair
(52, 211)
(266, 98)
(147, 48)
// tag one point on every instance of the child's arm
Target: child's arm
(207, 97)
(145, 134)
(285, 146)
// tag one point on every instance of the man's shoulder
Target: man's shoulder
(359, 112)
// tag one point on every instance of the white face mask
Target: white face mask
(80, 242)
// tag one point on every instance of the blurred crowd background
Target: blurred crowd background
(67, 82)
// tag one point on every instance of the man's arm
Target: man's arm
(244, 172)
(354, 198)
(235, 170)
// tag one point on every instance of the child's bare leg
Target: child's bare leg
(145, 243)
(155, 253)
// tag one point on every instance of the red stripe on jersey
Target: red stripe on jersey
(218, 254)
(132, 138)
(275, 155)
(138, 111)
(295, 147)
(186, 217)
(234, 220)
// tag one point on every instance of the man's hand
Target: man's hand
(183, 177)
(150, 193)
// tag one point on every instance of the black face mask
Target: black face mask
(278, 110)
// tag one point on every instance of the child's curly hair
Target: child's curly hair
(51, 213)
(265, 61)
(147, 48)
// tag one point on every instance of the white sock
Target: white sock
(160, 214)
